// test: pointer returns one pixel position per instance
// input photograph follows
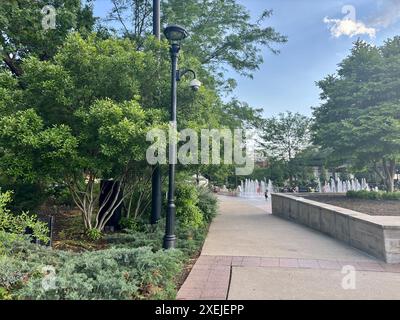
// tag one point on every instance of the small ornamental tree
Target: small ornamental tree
(112, 143)
(77, 119)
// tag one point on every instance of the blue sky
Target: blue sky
(320, 36)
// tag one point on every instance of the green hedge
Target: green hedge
(374, 195)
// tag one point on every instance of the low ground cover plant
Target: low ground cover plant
(374, 195)
(133, 264)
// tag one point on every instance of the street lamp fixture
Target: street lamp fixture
(175, 34)
(194, 84)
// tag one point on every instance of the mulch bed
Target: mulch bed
(68, 234)
(370, 207)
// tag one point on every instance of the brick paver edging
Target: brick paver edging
(211, 275)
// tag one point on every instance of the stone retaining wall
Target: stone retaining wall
(376, 235)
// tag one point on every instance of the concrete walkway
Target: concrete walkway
(250, 254)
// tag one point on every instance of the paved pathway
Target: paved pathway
(250, 254)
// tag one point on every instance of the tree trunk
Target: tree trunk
(390, 184)
(12, 66)
(389, 168)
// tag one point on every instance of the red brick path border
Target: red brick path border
(210, 276)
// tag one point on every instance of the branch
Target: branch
(108, 215)
(13, 68)
(216, 53)
(120, 17)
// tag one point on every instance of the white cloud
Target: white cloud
(388, 14)
(349, 27)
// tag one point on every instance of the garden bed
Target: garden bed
(370, 207)
(130, 264)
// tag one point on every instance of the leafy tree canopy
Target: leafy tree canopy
(223, 33)
(22, 32)
(75, 104)
(359, 118)
(283, 137)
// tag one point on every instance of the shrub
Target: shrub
(12, 273)
(149, 236)
(26, 196)
(189, 240)
(110, 274)
(20, 248)
(115, 273)
(362, 195)
(20, 260)
(18, 224)
(196, 207)
(374, 195)
(391, 196)
(134, 266)
(187, 210)
(4, 294)
(130, 223)
(94, 234)
(60, 195)
(208, 204)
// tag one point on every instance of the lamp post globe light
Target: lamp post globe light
(175, 34)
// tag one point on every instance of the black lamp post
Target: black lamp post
(175, 34)
(156, 176)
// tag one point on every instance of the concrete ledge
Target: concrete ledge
(376, 235)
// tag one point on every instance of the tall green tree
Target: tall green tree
(284, 137)
(359, 118)
(70, 98)
(76, 119)
(222, 32)
(22, 32)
